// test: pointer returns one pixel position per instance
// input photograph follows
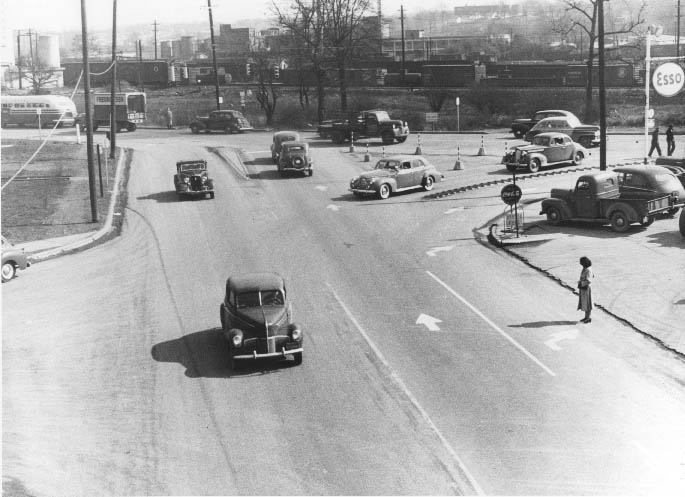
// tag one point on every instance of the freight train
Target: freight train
(458, 74)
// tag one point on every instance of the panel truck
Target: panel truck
(596, 198)
(129, 110)
(366, 124)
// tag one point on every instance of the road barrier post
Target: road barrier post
(418, 147)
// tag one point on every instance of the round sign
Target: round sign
(668, 79)
(456, 101)
(511, 194)
(650, 113)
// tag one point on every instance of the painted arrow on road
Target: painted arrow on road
(429, 321)
(558, 337)
(453, 210)
(321, 188)
(435, 250)
(333, 207)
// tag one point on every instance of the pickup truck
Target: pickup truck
(597, 199)
(228, 121)
(366, 124)
(522, 126)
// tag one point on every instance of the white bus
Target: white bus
(26, 110)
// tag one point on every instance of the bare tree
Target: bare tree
(582, 15)
(267, 93)
(39, 75)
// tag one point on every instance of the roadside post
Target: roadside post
(456, 101)
(102, 193)
(432, 117)
(40, 131)
(510, 195)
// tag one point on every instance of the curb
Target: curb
(89, 238)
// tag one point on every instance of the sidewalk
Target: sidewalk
(639, 275)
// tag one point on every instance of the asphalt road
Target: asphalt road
(432, 364)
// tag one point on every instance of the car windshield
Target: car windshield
(255, 299)
(294, 148)
(541, 140)
(186, 168)
(387, 164)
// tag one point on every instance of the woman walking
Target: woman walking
(585, 289)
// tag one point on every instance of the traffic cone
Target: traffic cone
(481, 150)
(418, 147)
(367, 157)
(352, 141)
(458, 165)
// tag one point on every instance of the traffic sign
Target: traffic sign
(431, 117)
(511, 194)
(668, 79)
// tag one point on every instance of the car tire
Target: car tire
(553, 216)
(388, 137)
(620, 222)
(519, 134)
(578, 157)
(298, 358)
(211, 195)
(194, 130)
(534, 166)
(428, 183)
(131, 127)
(311, 173)
(681, 223)
(401, 139)
(384, 191)
(8, 271)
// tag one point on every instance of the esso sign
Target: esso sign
(668, 79)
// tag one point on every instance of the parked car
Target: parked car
(585, 134)
(279, 138)
(256, 319)
(546, 149)
(650, 182)
(395, 174)
(228, 121)
(295, 156)
(13, 258)
(521, 126)
(675, 165)
(596, 198)
(192, 179)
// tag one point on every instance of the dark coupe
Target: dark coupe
(256, 319)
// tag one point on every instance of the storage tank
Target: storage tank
(48, 51)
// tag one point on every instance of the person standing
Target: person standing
(670, 140)
(169, 118)
(655, 142)
(585, 289)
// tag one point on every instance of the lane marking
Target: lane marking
(493, 325)
(321, 188)
(398, 381)
(333, 207)
(435, 250)
(453, 210)
(429, 321)
(559, 336)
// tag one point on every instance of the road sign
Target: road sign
(668, 79)
(431, 117)
(511, 194)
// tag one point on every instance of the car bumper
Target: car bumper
(255, 355)
(196, 192)
(363, 191)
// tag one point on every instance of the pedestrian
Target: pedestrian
(585, 289)
(655, 142)
(169, 118)
(670, 140)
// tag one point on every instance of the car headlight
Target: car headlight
(204, 179)
(186, 180)
(237, 339)
(295, 333)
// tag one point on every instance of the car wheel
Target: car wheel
(681, 223)
(131, 127)
(298, 358)
(194, 130)
(8, 271)
(518, 134)
(534, 165)
(428, 183)
(578, 157)
(553, 216)
(585, 141)
(211, 194)
(311, 173)
(620, 222)
(384, 191)
(401, 139)
(387, 137)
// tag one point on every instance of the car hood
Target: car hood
(378, 173)
(528, 148)
(265, 315)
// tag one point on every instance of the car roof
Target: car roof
(553, 134)
(565, 112)
(291, 144)
(253, 282)
(404, 157)
(645, 168)
(286, 133)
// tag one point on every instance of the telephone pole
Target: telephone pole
(602, 91)
(216, 70)
(89, 118)
(19, 58)
(112, 106)
(403, 77)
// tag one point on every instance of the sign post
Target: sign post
(510, 195)
(456, 101)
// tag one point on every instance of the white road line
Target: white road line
(493, 325)
(462, 467)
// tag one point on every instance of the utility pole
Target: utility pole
(112, 106)
(155, 26)
(216, 70)
(602, 92)
(677, 35)
(19, 58)
(403, 77)
(89, 118)
(140, 66)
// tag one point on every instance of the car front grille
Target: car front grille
(196, 182)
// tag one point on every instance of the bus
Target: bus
(129, 109)
(34, 110)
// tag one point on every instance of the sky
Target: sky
(53, 16)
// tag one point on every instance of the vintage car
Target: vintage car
(228, 121)
(649, 182)
(256, 319)
(13, 258)
(585, 134)
(546, 149)
(673, 164)
(521, 126)
(192, 179)
(396, 174)
(295, 156)
(279, 138)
